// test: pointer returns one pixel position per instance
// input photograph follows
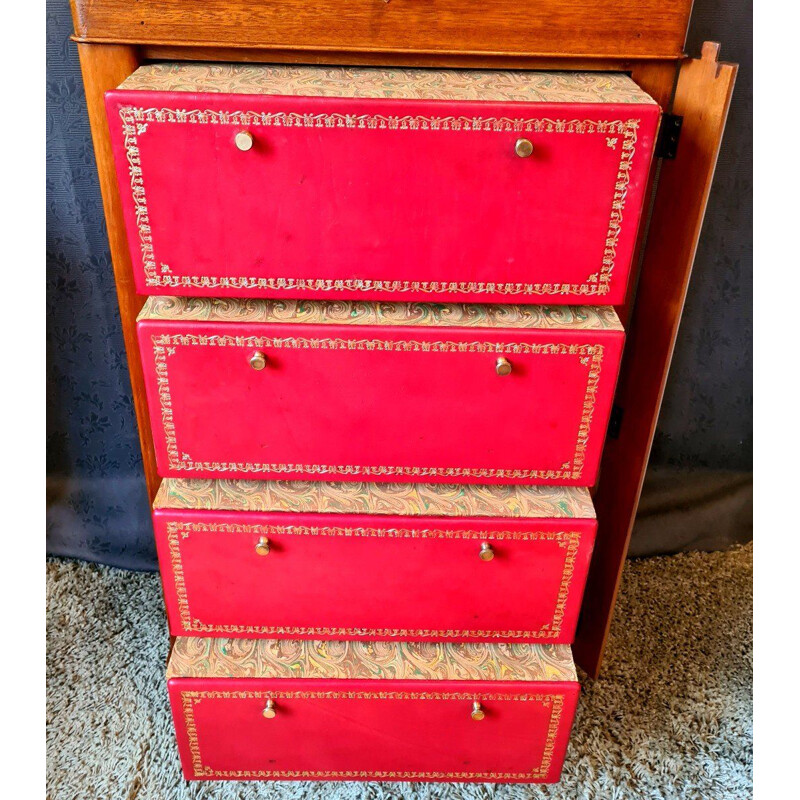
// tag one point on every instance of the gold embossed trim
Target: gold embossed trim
(401, 499)
(202, 657)
(165, 345)
(395, 83)
(179, 532)
(356, 313)
(135, 122)
(554, 703)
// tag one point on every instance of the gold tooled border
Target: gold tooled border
(180, 531)
(135, 121)
(164, 345)
(189, 699)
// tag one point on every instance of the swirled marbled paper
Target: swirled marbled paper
(193, 657)
(342, 312)
(434, 500)
(394, 83)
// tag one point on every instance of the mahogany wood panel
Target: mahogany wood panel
(592, 28)
(702, 97)
(657, 78)
(104, 67)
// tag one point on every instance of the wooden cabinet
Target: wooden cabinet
(260, 204)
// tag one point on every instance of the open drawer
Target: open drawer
(359, 183)
(279, 710)
(373, 561)
(379, 392)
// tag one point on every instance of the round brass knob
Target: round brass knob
(269, 710)
(503, 366)
(262, 546)
(243, 140)
(258, 360)
(477, 712)
(523, 147)
(487, 552)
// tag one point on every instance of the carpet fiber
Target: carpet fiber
(670, 716)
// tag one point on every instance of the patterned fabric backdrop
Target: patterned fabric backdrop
(97, 503)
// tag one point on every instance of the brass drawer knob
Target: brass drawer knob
(477, 712)
(258, 360)
(487, 552)
(243, 140)
(269, 710)
(523, 147)
(262, 546)
(503, 366)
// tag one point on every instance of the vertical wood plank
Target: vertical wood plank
(657, 78)
(702, 97)
(104, 67)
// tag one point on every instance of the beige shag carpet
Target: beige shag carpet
(670, 716)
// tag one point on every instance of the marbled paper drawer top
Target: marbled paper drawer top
(389, 83)
(399, 314)
(193, 657)
(401, 499)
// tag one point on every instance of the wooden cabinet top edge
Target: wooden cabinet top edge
(597, 29)
(267, 53)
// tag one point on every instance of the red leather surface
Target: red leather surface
(335, 576)
(334, 190)
(378, 403)
(418, 730)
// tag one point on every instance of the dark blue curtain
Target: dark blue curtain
(97, 503)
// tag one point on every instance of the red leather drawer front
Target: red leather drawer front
(378, 404)
(377, 199)
(378, 730)
(366, 577)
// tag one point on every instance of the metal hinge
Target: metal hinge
(615, 422)
(668, 136)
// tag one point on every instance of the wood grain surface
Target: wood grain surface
(702, 97)
(588, 28)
